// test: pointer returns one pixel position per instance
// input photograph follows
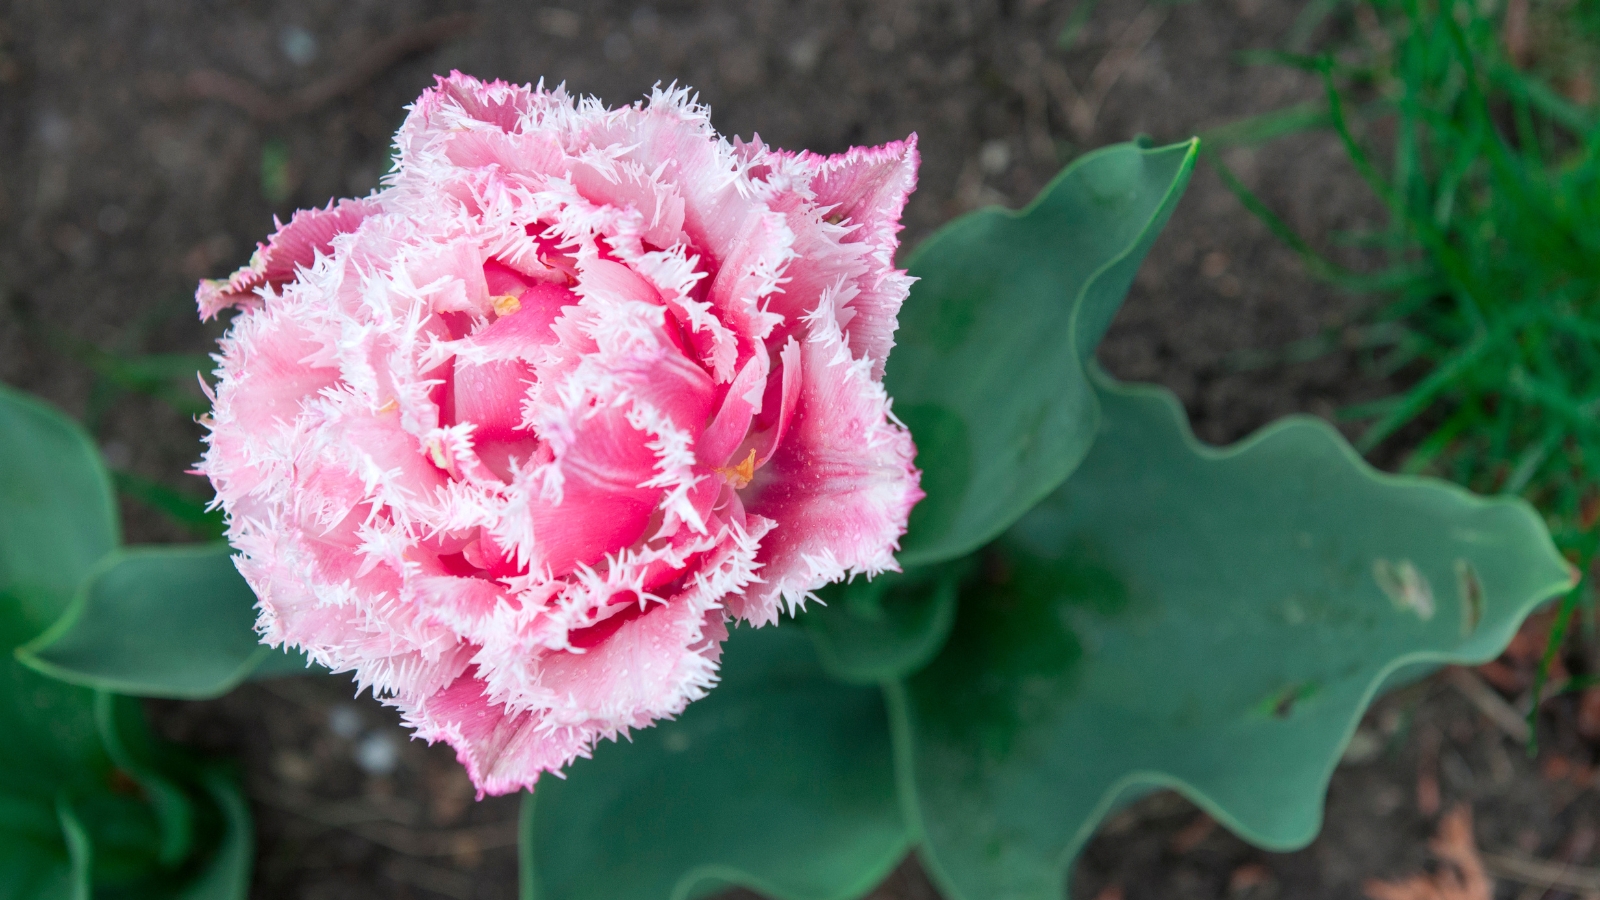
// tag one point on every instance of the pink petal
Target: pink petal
(451, 278)
(632, 185)
(845, 239)
(571, 388)
(840, 487)
(602, 506)
(521, 334)
(501, 751)
(291, 247)
(732, 422)
(783, 398)
(652, 666)
(495, 103)
(867, 188)
(489, 395)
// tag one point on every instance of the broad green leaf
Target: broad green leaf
(168, 621)
(207, 838)
(867, 632)
(85, 793)
(57, 515)
(51, 740)
(780, 780)
(32, 868)
(1213, 620)
(128, 743)
(988, 368)
(86, 804)
(52, 753)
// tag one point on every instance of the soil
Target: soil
(125, 176)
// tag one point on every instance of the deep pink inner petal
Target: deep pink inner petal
(603, 507)
(489, 395)
(732, 422)
(592, 636)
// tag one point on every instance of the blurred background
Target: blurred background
(145, 144)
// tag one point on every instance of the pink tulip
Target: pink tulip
(515, 436)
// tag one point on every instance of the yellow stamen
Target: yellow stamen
(391, 406)
(740, 475)
(436, 450)
(505, 305)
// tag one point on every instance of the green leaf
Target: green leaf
(167, 621)
(780, 780)
(128, 742)
(52, 739)
(53, 753)
(32, 869)
(867, 632)
(988, 369)
(86, 794)
(57, 515)
(1213, 620)
(226, 873)
(79, 848)
(88, 805)
(1267, 126)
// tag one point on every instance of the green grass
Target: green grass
(1488, 164)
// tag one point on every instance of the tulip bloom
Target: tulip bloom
(514, 437)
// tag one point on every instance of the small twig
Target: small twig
(430, 878)
(1428, 794)
(209, 84)
(1492, 705)
(1516, 34)
(1081, 108)
(339, 813)
(412, 842)
(1538, 872)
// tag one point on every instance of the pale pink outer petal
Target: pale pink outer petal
(841, 485)
(866, 188)
(293, 246)
(844, 211)
(505, 752)
(651, 668)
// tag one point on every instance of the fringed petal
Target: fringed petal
(512, 438)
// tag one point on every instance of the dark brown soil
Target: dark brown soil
(123, 179)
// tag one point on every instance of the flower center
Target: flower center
(506, 304)
(738, 476)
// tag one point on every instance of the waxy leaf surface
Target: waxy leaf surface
(1213, 620)
(169, 621)
(57, 514)
(988, 366)
(868, 632)
(85, 803)
(780, 780)
(56, 521)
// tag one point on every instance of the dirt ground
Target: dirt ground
(148, 143)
